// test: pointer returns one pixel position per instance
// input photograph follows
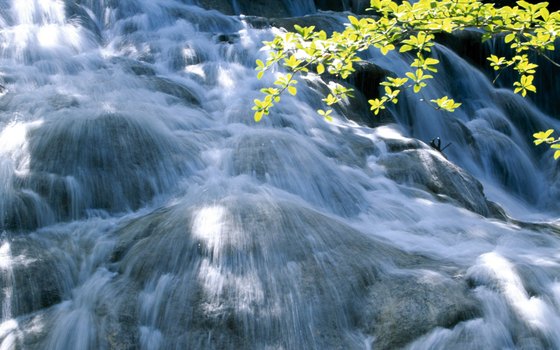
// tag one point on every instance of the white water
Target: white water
(141, 207)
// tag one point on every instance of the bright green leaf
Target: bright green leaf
(292, 90)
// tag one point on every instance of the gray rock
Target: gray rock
(402, 308)
(276, 158)
(430, 171)
(70, 173)
(175, 89)
(36, 277)
(311, 278)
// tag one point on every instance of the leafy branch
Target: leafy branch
(545, 137)
(407, 28)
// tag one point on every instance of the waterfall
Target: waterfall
(141, 207)
(490, 136)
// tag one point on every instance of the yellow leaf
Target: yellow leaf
(292, 90)
(258, 116)
(411, 75)
(543, 134)
(509, 38)
(405, 48)
(385, 49)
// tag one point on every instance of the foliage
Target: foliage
(407, 28)
(546, 137)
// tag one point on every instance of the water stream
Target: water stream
(142, 208)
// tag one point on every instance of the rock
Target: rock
(403, 308)
(275, 158)
(134, 66)
(113, 324)
(24, 210)
(33, 277)
(233, 273)
(111, 162)
(175, 89)
(430, 171)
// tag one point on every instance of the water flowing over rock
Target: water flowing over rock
(141, 207)
(434, 174)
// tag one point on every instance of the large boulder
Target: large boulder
(249, 271)
(111, 162)
(277, 159)
(32, 276)
(430, 171)
(404, 308)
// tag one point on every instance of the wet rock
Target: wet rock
(22, 210)
(403, 308)
(308, 275)
(399, 145)
(33, 277)
(276, 158)
(69, 172)
(134, 66)
(122, 331)
(355, 109)
(115, 326)
(175, 89)
(432, 172)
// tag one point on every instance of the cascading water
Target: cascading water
(491, 136)
(142, 208)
